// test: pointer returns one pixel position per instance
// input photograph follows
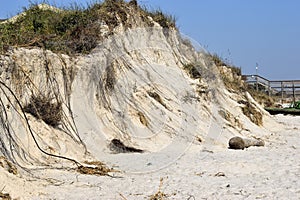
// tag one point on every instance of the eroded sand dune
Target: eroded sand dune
(137, 87)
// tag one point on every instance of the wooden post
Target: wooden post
(269, 88)
(281, 92)
(294, 99)
(256, 83)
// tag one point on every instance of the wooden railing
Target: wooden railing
(287, 90)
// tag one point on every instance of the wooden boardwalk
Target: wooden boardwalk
(287, 90)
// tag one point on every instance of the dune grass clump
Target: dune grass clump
(57, 30)
(232, 79)
(218, 61)
(261, 97)
(73, 30)
(232, 84)
(192, 70)
(45, 108)
(252, 113)
(236, 83)
(164, 20)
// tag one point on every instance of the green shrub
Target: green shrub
(72, 30)
(55, 30)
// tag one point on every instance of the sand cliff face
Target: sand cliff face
(135, 86)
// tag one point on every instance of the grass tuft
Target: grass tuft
(164, 20)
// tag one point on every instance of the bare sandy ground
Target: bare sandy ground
(202, 172)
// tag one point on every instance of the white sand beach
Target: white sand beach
(270, 172)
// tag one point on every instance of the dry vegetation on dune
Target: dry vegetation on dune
(46, 108)
(232, 79)
(74, 29)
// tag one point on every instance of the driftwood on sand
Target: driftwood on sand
(242, 143)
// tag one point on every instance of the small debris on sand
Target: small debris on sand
(118, 147)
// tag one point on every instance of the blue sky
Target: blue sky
(245, 32)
